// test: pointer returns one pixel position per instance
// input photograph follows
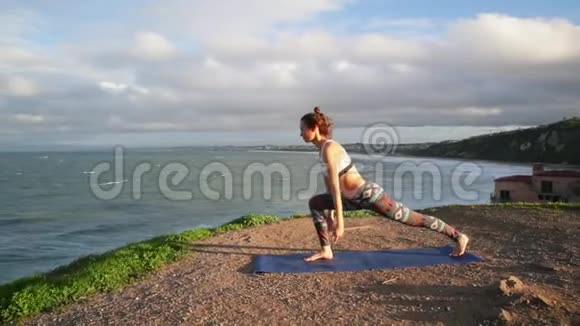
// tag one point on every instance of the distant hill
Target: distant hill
(556, 143)
(553, 143)
(351, 148)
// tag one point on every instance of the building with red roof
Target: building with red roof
(541, 186)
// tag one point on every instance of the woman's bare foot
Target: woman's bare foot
(460, 246)
(324, 253)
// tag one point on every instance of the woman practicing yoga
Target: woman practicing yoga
(348, 190)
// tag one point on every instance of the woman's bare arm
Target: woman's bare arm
(331, 157)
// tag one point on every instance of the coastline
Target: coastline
(355, 154)
(98, 274)
(516, 163)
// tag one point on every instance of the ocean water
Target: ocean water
(53, 211)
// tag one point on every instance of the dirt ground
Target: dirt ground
(538, 247)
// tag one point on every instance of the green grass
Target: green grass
(571, 122)
(112, 270)
(92, 274)
(346, 214)
(358, 214)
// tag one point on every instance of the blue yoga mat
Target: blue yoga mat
(346, 261)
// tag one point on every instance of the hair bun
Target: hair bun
(316, 110)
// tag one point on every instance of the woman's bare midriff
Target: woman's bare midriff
(350, 182)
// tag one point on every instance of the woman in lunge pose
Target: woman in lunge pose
(348, 190)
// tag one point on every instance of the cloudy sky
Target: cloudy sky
(194, 72)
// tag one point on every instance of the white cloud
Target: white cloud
(484, 71)
(16, 25)
(11, 56)
(279, 73)
(480, 111)
(152, 46)
(208, 19)
(158, 126)
(28, 118)
(210, 63)
(119, 88)
(502, 39)
(116, 122)
(18, 86)
(318, 46)
(407, 23)
(113, 87)
(342, 65)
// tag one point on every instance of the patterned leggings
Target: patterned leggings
(372, 196)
